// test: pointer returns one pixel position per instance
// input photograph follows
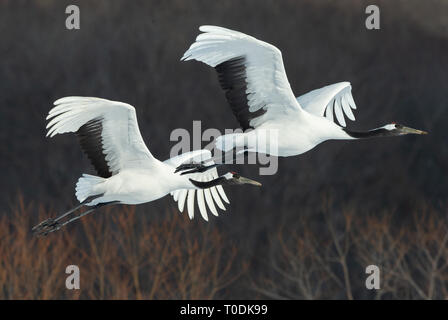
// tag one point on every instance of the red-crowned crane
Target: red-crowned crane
(127, 171)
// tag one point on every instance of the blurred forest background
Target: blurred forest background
(312, 228)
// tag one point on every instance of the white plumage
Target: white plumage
(267, 85)
(252, 74)
(332, 99)
(212, 195)
(131, 174)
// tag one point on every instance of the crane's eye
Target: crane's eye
(398, 126)
(235, 175)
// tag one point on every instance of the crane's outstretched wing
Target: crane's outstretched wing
(107, 130)
(333, 99)
(251, 73)
(210, 195)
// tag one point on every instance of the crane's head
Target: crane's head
(235, 178)
(397, 129)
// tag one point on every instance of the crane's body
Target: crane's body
(290, 139)
(253, 77)
(136, 186)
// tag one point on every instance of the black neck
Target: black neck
(208, 184)
(380, 132)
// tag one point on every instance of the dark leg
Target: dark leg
(187, 166)
(196, 167)
(51, 225)
(200, 167)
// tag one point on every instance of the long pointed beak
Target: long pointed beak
(407, 130)
(249, 181)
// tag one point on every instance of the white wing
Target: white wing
(210, 195)
(108, 132)
(333, 99)
(250, 71)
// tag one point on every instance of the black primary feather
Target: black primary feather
(91, 142)
(232, 77)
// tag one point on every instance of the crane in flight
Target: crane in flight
(127, 171)
(254, 80)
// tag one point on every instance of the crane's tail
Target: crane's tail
(230, 141)
(88, 186)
